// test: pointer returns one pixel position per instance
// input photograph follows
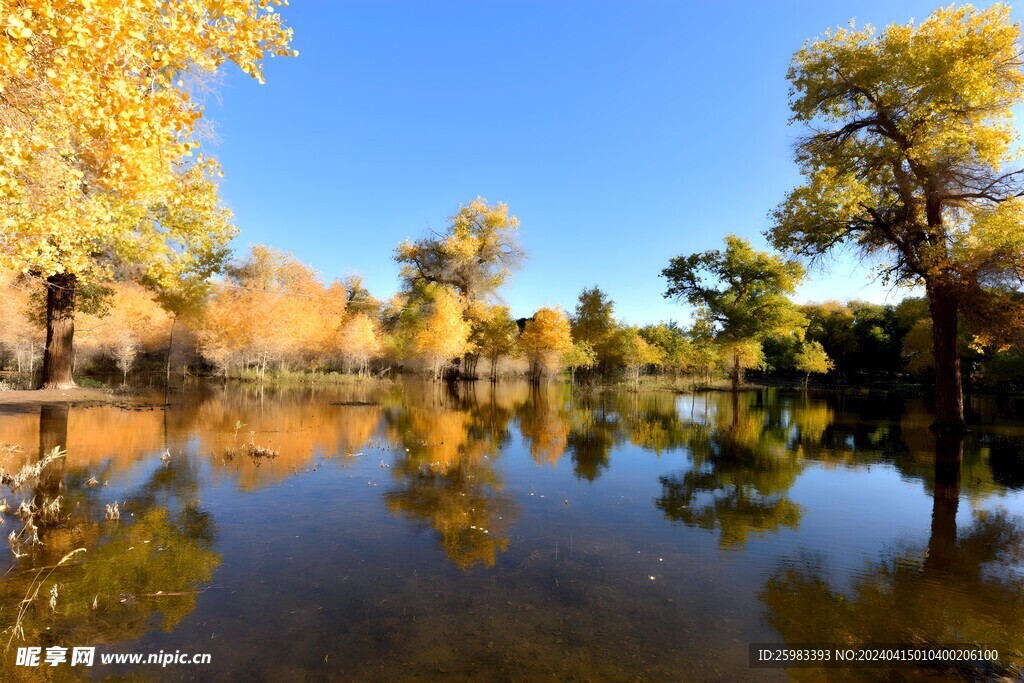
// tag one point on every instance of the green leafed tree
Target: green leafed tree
(593, 322)
(741, 294)
(907, 157)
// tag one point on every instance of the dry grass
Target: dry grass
(32, 512)
(33, 593)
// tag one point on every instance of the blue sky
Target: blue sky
(620, 133)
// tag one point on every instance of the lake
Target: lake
(425, 531)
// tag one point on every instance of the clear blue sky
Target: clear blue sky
(621, 134)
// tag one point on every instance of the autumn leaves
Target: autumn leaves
(99, 176)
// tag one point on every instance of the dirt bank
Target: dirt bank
(40, 397)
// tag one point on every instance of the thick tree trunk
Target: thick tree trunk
(737, 373)
(58, 357)
(949, 395)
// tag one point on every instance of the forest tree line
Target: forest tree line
(271, 313)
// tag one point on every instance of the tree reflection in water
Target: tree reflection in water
(445, 470)
(744, 461)
(960, 588)
(141, 572)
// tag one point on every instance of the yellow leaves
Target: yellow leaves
(445, 333)
(547, 337)
(88, 115)
(812, 358)
(16, 27)
(359, 341)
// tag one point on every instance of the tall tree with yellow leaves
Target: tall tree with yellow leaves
(545, 340)
(475, 256)
(97, 176)
(445, 332)
(907, 158)
(360, 342)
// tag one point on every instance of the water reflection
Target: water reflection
(447, 439)
(743, 462)
(398, 519)
(128, 576)
(961, 587)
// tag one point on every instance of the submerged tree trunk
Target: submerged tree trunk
(949, 396)
(58, 356)
(945, 501)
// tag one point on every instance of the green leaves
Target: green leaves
(741, 292)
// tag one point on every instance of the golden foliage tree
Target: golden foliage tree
(97, 175)
(359, 341)
(272, 310)
(18, 332)
(495, 336)
(911, 135)
(545, 339)
(638, 353)
(445, 332)
(811, 358)
(475, 256)
(580, 356)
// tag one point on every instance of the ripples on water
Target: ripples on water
(420, 531)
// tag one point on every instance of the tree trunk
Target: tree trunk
(737, 373)
(60, 332)
(170, 346)
(949, 395)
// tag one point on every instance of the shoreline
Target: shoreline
(40, 397)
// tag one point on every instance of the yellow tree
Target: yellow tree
(495, 336)
(638, 353)
(97, 176)
(910, 135)
(18, 330)
(445, 332)
(360, 342)
(812, 358)
(475, 256)
(580, 356)
(271, 310)
(545, 340)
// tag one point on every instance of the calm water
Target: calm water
(419, 532)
